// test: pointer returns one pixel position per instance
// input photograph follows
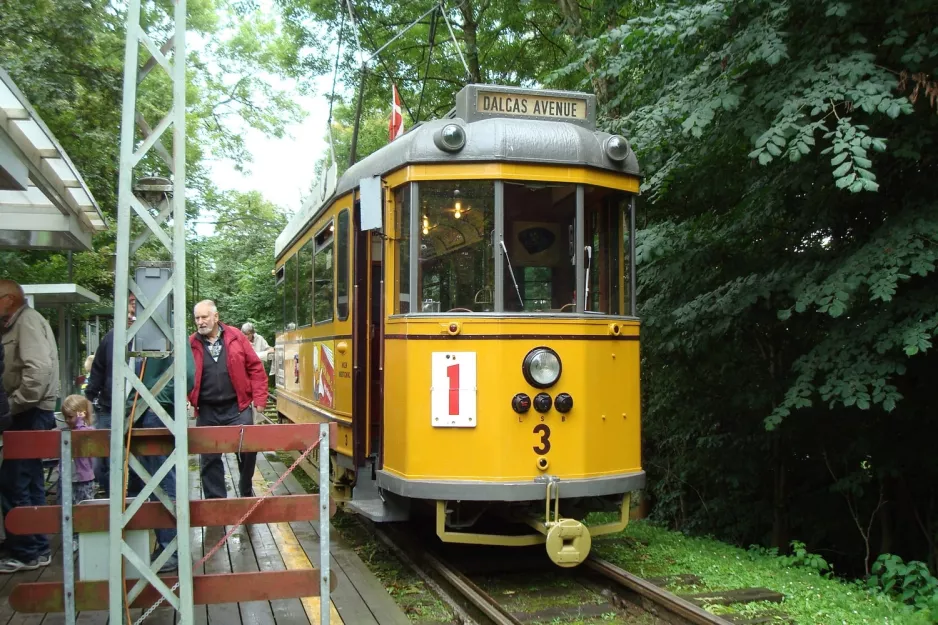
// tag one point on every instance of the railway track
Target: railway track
(616, 595)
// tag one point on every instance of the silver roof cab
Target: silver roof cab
(501, 124)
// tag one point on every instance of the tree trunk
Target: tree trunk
(886, 519)
(780, 529)
(573, 23)
(470, 27)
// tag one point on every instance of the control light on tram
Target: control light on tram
(457, 206)
(450, 138)
(617, 147)
(542, 402)
(541, 367)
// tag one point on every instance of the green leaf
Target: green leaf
(842, 170)
(837, 160)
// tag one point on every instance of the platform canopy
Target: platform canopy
(54, 295)
(44, 203)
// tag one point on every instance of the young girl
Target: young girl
(78, 416)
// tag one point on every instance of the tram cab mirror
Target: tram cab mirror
(371, 211)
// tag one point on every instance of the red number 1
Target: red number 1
(452, 372)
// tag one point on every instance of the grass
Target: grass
(404, 586)
(810, 599)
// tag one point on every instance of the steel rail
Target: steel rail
(651, 597)
(479, 606)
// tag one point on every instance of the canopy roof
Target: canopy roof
(53, 295)
(44, 203)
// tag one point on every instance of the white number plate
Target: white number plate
(453, 390)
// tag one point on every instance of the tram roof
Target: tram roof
(490, 137)
(44, 202)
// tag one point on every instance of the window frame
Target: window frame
(342, 271)
(317, 248)
(626, 259)
(306, 248)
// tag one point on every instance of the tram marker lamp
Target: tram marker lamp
(450, 138)
(563, 403)
(542, 402)
(541, 367)
(617, 148)
(521, 403)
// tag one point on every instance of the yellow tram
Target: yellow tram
(462, 304)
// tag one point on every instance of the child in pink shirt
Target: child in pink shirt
(78, 414)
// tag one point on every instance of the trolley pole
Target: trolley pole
(160, 313)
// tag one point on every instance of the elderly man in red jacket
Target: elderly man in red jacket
(229, 378)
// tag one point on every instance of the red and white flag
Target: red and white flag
(396, 124)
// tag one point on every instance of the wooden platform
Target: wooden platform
(359, 598)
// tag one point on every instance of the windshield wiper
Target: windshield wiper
(512, 272)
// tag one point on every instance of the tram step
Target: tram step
(378, 510)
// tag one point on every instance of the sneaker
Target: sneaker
(170, 565)
(13, 565)
(44, 560)
(75, 545)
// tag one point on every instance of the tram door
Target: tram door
(368, 335)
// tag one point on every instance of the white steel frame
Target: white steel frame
(174, 240)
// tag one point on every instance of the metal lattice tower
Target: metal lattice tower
(149, 222)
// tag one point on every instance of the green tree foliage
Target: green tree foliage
(786, 261)
(504, 43)
(233, 267)
(67, 57)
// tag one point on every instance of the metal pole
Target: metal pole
(68, 555)
(579, 239)
(179, 312)
(633, 273)
(324, 520)
(128, 206)
(358, 117)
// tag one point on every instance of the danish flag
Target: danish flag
(396, 124)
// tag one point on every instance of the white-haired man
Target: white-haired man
(229, 378)
(261, 347)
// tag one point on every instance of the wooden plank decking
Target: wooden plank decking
(359, 598)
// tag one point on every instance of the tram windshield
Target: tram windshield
(468, 262)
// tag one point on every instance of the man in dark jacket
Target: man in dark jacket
(228, 378)
(151, 371)
(98, 392)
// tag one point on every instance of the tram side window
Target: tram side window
(304, 286)
(280, 292)
(540, 223)
(323, 275)
(402, 248)
(289, 295)
(341, 281)
(605, 239)
(456, 225)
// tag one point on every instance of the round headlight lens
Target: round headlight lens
(450, 138)
(541, 367)
(617, 147)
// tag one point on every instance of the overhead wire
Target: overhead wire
(335, 77)
(456, 43)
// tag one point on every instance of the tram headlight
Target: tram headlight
(541, 367)
(450, 138)
(617, 147)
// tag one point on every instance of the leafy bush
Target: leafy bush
(801, 557)
(911, 581)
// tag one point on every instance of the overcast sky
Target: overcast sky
(282, 169)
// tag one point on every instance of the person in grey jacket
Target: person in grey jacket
(31, 382)
(4, 402)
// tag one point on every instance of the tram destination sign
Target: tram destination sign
(478, 102)
(531, 105)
